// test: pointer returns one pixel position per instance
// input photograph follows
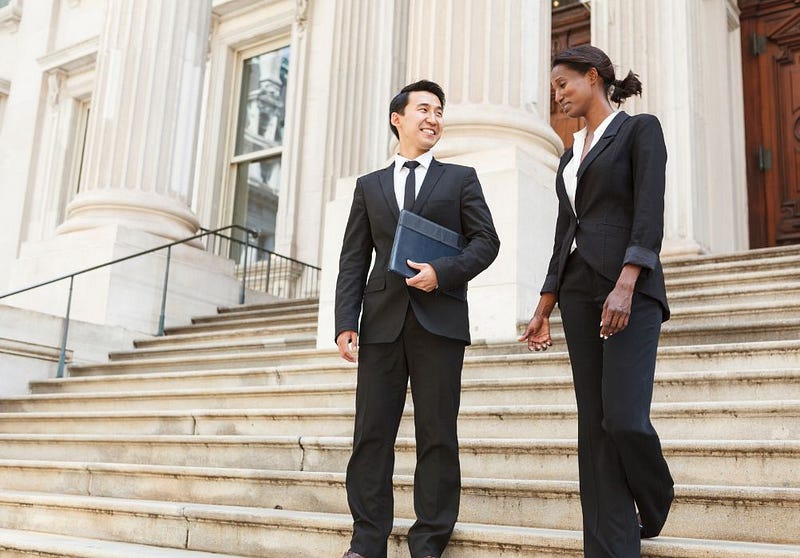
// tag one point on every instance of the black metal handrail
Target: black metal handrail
(269, 272)
(296, 279)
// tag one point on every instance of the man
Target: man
(410, 328)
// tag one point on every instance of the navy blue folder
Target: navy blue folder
(423, 241)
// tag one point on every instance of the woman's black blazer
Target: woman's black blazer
(620, 206)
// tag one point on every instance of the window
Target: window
(78, 152)
(259, 144)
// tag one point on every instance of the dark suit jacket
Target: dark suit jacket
(450, 195)
(620, 206)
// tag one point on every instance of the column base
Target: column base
(136, 210)
(127, 294)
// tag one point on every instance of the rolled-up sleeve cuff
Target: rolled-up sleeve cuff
(637, 255)
(550, 284)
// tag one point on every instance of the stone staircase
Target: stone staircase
(229, 437)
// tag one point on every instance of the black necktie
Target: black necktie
(411, 185)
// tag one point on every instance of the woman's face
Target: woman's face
(574, 91)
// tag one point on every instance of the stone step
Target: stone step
(754, 276)
(14, 544)
(767, 420)
(721, 313)
(712, 269)
(747, 255)
(215, 343)
(669, 387)
(736, 328)
(262, 317)
(787, 291)
(234, 323)
(710, 462)
(276, 306)
(762, 512)
(247, 531)
(713, 328)
(510, 359)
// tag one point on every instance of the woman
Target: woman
(606, 276)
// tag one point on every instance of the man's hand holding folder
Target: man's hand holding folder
(419, 241)
(425, 280)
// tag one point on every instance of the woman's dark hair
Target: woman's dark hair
(585, 57)
(400, 100)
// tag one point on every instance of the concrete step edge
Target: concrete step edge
(778, 347)
(755, 253)
(38, 543)
(728, 495)
(788, 448)
(513, 383)
(521, 539)
(777, 261)
(737, 409)
(664, 377)
(225, 342)
(255, 316)
(293, 303)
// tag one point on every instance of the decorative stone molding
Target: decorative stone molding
(5, 87)
(31, 350)
(733, 12)
(11, 15)
(55, 82)
(301, 15)
(77, 57)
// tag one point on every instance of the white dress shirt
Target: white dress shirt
(571, 170)
(401, 172)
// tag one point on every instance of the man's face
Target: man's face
(420, 125)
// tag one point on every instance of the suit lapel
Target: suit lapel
(600, 146)
(386, 178)
(608, 137)
(431, 178)
(561, 188)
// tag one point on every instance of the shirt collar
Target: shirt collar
(598, 133)
(424, 160)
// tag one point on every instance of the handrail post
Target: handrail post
(244, 267)
(164, 295)
(269, 271)
(62, 357)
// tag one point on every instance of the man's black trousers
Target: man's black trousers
(433, 365)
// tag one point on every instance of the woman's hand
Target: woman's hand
(617, 307)
(537, 334)
(616, 311)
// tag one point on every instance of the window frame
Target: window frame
(234, 161)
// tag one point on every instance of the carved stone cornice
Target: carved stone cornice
(73, 58)
(11, 15)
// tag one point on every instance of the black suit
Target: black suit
(618, 220)
(407, 333)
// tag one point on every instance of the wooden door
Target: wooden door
(771, 75)
(571, 27)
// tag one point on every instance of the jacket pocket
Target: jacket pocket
(375, 284)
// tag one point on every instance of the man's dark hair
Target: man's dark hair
(400, 100)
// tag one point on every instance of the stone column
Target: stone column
(141, 139)
(136, 181)
(688, 56)
(491, 57)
